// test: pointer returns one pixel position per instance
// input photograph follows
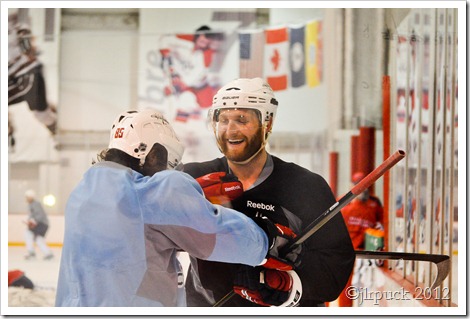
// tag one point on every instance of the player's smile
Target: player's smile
(236, 146)
(235, 142)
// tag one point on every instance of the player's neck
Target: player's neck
(248, 173)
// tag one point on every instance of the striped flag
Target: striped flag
(276, 58)
(297, 55)
(314, 53)
(251, 53)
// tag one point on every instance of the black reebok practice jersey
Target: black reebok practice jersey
(293, 196)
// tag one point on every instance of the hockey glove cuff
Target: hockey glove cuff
(278, 236)
(268, 287)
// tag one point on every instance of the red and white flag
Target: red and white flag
(276, 58)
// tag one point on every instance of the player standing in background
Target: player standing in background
(242, 116)
(37, 227)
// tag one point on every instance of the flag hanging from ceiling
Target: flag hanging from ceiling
(276, 58)
(251, 53)
(314, 53)
(320, 50)
(297, 55)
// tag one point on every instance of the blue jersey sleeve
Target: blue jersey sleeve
(193, 224)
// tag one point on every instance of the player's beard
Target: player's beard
(252, 146)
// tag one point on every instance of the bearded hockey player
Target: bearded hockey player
(242, 117)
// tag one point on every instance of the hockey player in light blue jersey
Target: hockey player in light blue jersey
(130, 215)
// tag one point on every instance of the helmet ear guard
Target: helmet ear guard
(135, 133)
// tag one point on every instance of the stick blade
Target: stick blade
(441, 261)
(443, 269)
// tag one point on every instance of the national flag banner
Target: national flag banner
(313, 53)
(297, 55)
(251, 53)
(276, 58)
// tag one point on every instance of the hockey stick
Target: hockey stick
(333, 210)
(441, 261)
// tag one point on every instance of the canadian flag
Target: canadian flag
(276, 58)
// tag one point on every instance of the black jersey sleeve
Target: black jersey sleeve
(328, 255)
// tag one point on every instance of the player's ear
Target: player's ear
(270, 124)
(269, 127)
(156, 160)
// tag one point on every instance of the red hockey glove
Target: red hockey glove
(220, 187)
(268, 287)
(278, 236)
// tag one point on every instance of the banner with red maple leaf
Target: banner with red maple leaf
(276, 58)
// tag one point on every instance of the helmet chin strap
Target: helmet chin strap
(252, 156)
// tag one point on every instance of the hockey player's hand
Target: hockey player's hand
(31, 223)
(268, 287)
(220, 187)
(278, 236)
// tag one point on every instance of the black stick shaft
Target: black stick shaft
(331, 212)
(224, 299)
(318, 223)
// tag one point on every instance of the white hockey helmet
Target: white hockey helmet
(135, 133)
(245, 94)
(254, 94)
(30, 194)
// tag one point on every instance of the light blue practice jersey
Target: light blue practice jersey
(123, 231)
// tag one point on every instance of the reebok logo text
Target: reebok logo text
(233, 188)
(260, 206)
